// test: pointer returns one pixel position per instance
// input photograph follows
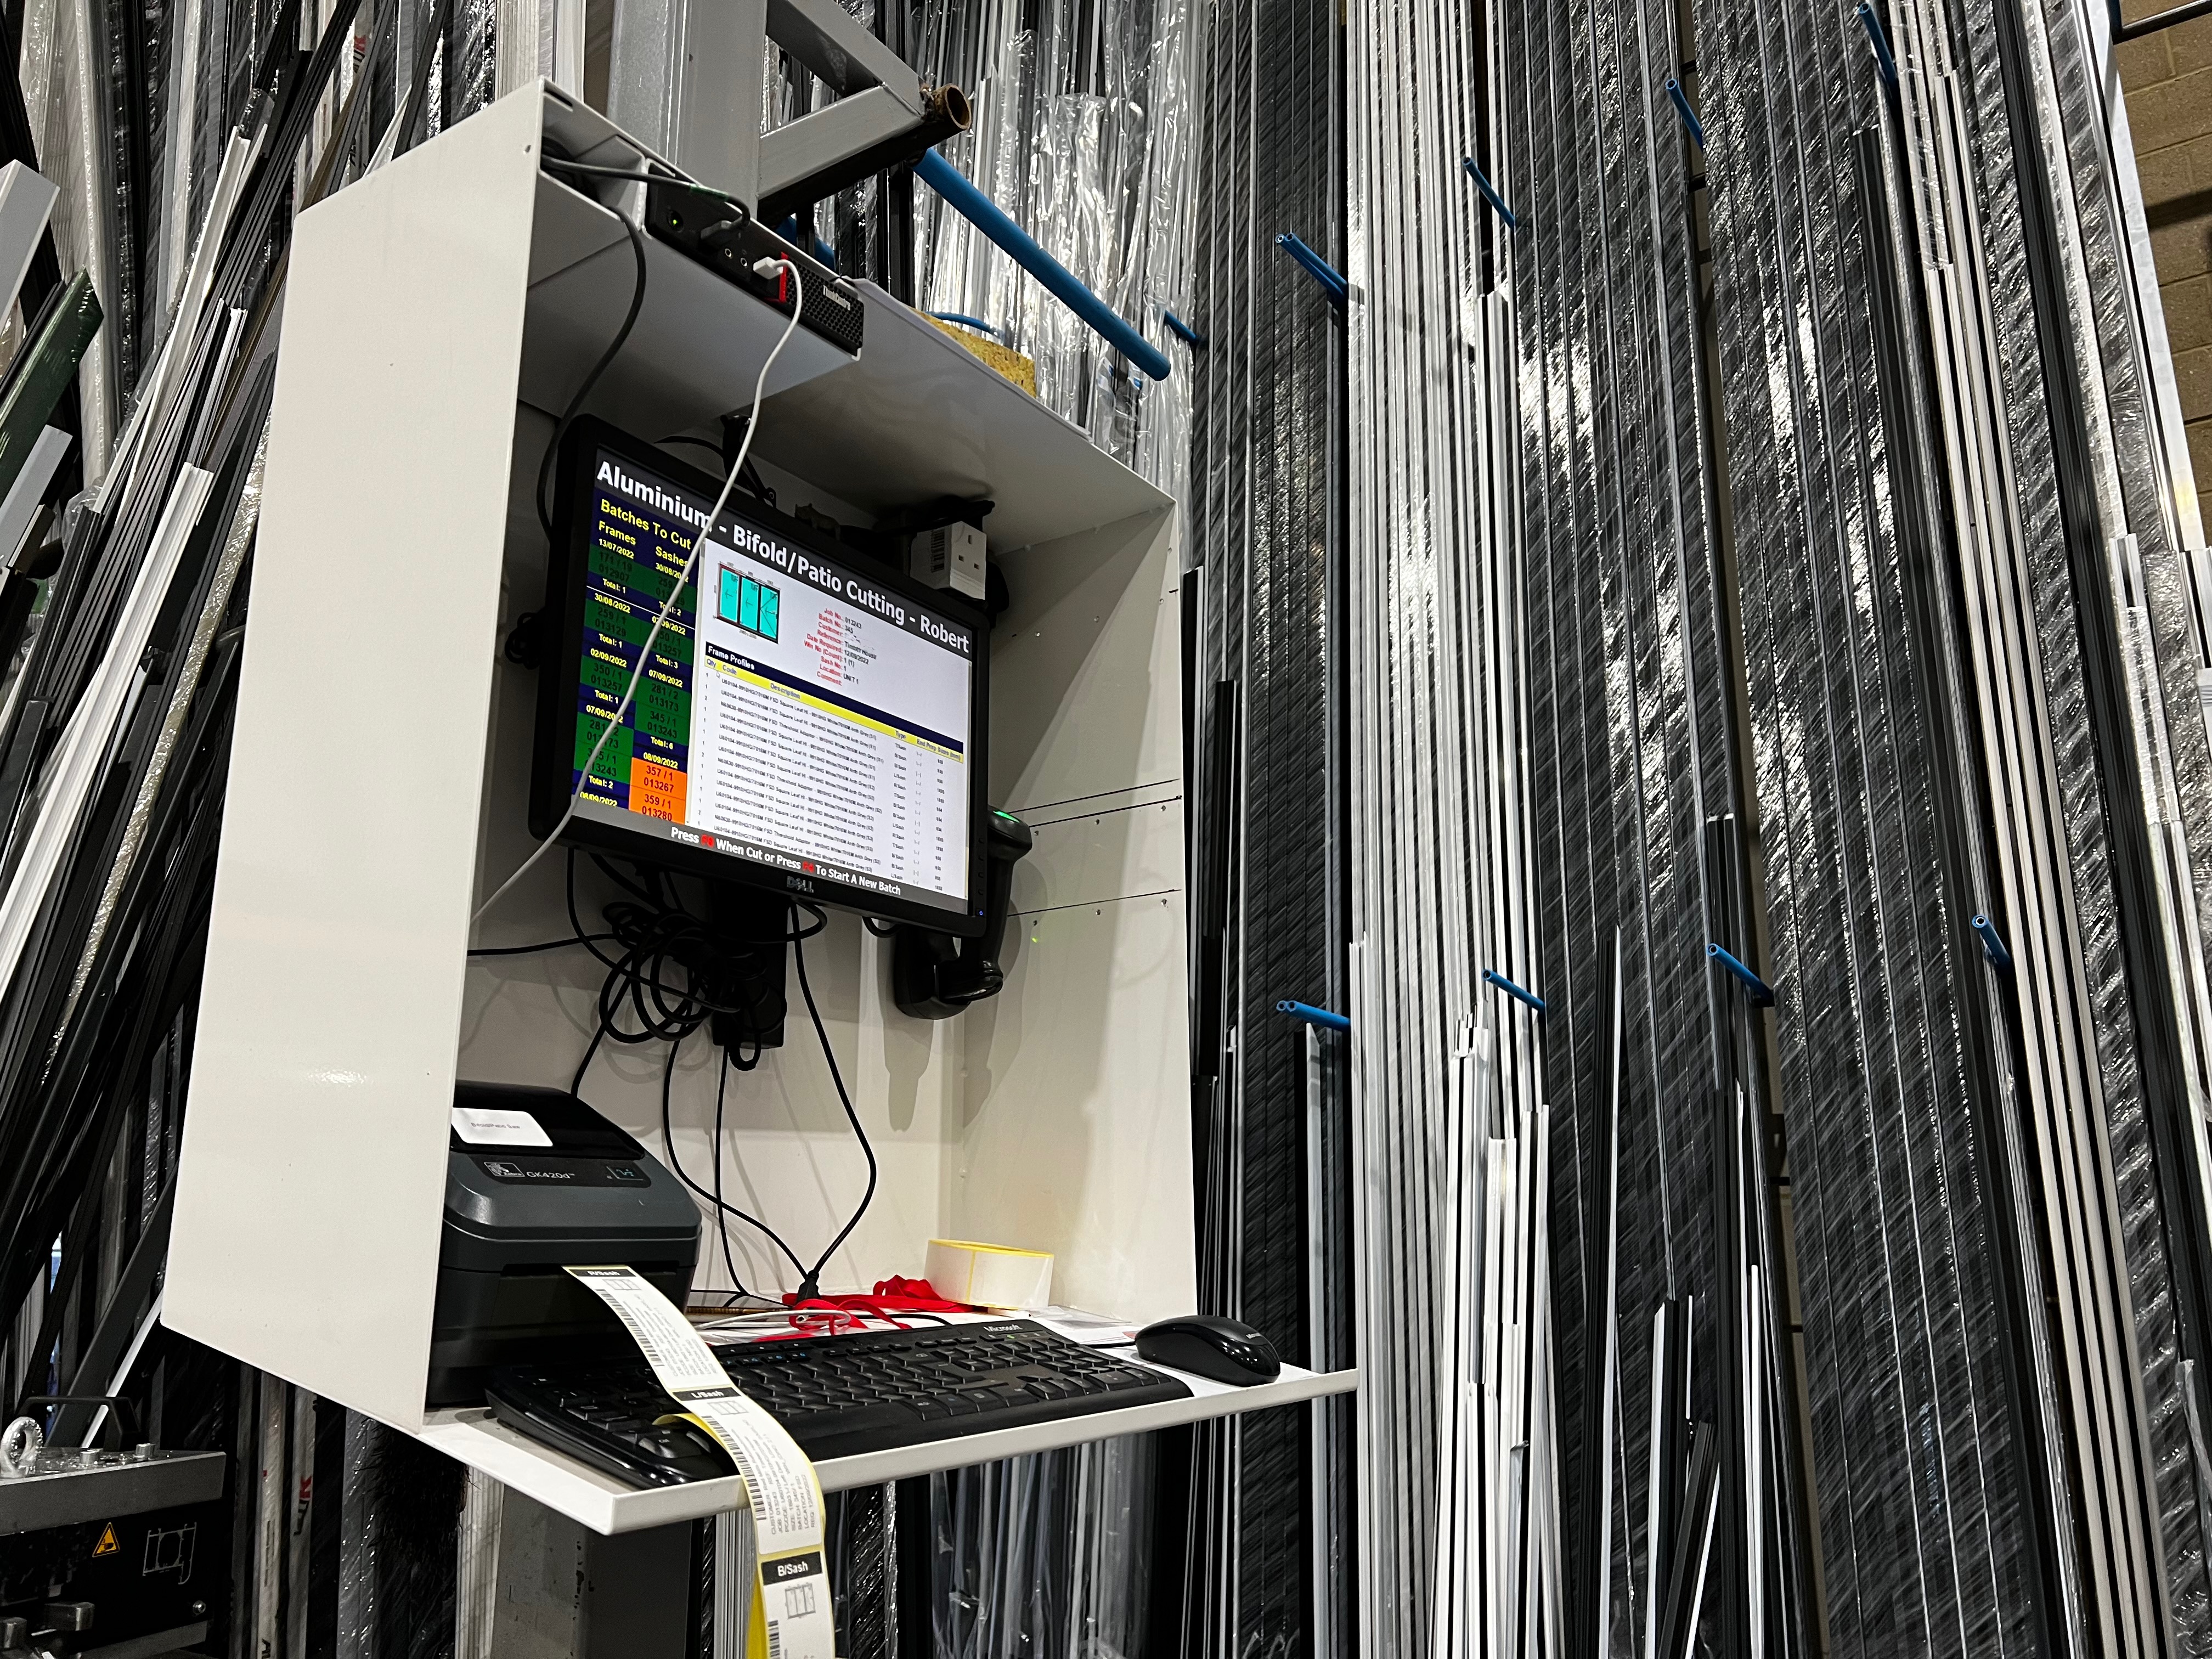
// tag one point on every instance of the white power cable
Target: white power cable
(761, 268)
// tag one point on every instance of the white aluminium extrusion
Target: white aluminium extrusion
(157, 390)
(22, 504)
(1609, 1372)
(27, 203)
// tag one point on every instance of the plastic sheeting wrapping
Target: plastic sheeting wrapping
(1630, 739)
(1264, 649)
(860, 1538)
(1914, 1450)
(2154, 1074)
(1085, 133)
(1044, 1557)
(1444, 862)
(398, 1546)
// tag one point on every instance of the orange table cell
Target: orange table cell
(656, 791)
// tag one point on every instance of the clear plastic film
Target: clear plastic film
(1448, 551)
(1265, 559)
(64, 97)
(398, 1546)
(1631, 745)
(1082, 135)
(1915, 1460)
(2141, 910)
(1045, 1555)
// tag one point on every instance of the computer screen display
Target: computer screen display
(814, 726)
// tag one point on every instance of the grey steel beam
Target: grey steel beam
(685, 78)
(847, 59)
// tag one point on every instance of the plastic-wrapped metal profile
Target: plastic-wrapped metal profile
(2047, 872)
(1632, 744)
(1915, 1446)
(1459, 1523)
(1262, 644)
(2135, 649)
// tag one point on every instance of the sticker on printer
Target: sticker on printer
(482, 1125)
(791, 1589)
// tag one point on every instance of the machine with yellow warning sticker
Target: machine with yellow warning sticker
(809, 719)
(109, 1545)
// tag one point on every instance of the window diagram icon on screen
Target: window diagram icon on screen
(754, 606)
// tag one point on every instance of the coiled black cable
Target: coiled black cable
(673, 973)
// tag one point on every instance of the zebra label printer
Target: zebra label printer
(536, 1181)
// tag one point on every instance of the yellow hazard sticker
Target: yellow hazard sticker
(108, 1546)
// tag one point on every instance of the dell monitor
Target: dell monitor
(809, 721)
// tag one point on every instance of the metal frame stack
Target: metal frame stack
(1854, 768)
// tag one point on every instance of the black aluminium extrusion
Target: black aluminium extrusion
(1963, 813)
(176, 929)
(1791, 1492)
(1733, 1247)
(64, 1068)
(913, 1544)
(110, 1340)
(1687, 1571)
(1332, 1517)
(109, 594)
(441, 17)
(83, 610)
(39, 1055)
(2141, 936)
(85, 595)
(1169, 1627)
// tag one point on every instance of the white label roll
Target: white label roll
(990, 1275)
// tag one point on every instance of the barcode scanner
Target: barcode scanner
(935, 975)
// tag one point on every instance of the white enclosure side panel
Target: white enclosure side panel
(311, 1182)
(1086, 698)
(1075, 1130)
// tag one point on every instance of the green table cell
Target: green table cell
(613, 763)
(663, 710)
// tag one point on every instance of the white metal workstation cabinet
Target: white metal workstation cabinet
(435, 313)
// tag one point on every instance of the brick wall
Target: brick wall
(2168, 78)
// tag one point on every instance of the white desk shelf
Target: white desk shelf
(605, 1504)
(437, 315)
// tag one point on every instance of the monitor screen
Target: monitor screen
(815, 727)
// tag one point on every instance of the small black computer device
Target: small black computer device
(809, 722)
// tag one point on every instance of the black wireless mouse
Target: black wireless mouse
(1206, 1346)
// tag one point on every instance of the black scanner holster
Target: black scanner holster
(935, 975)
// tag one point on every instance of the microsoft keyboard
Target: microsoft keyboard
(836, 1395)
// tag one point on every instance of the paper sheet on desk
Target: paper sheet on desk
(792, 1613)
(1090, 1330)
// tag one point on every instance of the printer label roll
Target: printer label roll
(790, 1594)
